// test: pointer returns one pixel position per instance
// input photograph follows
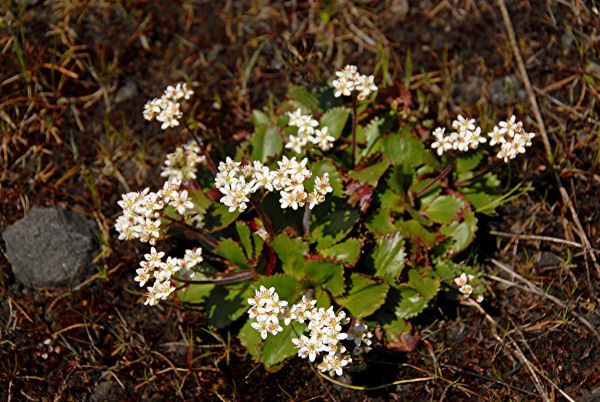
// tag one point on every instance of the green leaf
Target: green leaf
(244, 234)
(218, 216)
(251, 340)
(388, 257)
(403, 148)
(195, 293)
(266, 141)
(258, 245)
(371, 174)
(382, 222)
(411, 303)
(390, 200)
(276, 348)
(393, 330)
(444, 209)
(333, 227)
(400, 178)
(335, 120)
(468, 161)
(347, 251)
(365, 295)
(461, 233)
(284, 285)
(426, 285)
(260, 118)
(416, 233)
(291, 252)
(335, 179)
(226, 304)
(230, 250)
(328, 274)
(309, 100)
(370, 134)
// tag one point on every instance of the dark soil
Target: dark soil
(66, 140)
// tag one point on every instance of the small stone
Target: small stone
(126, 92)
(106, 391)
(506, 90)
(470, 91)
(50, 247)
(399, 9)
(593, 68)
(547, 259)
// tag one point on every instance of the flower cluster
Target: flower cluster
(181, 164)
(167, 109)
(141, 211)
(154, 267)
(307, 132)
(324, 328)
(237, 182)
(511, 137)
(467, 136)
(463, 286)
(350, 80)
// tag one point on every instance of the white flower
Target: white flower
(343, 87)
(262, 233)
(295, 144)
(323, 139)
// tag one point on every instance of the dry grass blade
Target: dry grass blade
(534, 289)
(533, 371)
(538, 116)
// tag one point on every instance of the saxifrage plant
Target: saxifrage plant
(329, 207)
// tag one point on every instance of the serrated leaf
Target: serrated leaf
(347, 251)
(195, 293)
(251, 340)
(320, 295)
(335, 179)
(390, 200)
(365, 295)
(461, 233)
(381, 222)
(333, 227)
(291, 252)
(266, 141)
(276, 348)
(230, 250)
(258, 245)
(226, 304)
(335, 120)
(403, 148)
(400, 178)
(468, 161)
(218, 216)
(309, 100)
(327, 274)
(444, 209)
(284, 285)
(411, 303)
(426, 285)
(417, 233)
(371, 174)
(244, 234)
(388, 256)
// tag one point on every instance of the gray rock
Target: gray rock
(50, 246)
(593, 68)
(470, 90)
(507, 90)
(106, 391)
(126, 92)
